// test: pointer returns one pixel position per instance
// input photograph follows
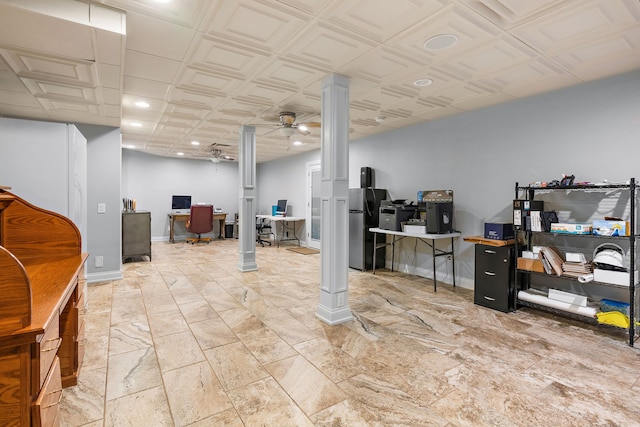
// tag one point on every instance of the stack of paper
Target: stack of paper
(576, 269)
(551, 261)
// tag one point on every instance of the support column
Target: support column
(334, 202)
(247, 203)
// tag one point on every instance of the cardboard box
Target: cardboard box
(530, 264)
(568, 297)
(498, 231)
(571, 228)
(603, 227)
(614, 277)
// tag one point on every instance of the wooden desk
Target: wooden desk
(287, 223)
(221, 217)
(399, 235)
(42, 335)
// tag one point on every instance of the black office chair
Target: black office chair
(263, 230)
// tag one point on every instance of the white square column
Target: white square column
(334, 202)
(247, 203)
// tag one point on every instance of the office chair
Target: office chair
(263, 229)
(200, 221)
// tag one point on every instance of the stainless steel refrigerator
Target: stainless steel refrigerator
(364, 209)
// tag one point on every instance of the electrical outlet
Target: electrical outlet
(102, 208)
(98, 261)
(340, 300)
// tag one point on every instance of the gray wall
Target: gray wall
(103, 186)
(589, 130)
(151, 180)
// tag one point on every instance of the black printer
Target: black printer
(394, 212)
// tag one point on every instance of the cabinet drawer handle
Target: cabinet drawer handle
(489, 298)
(56, 346)
(489, 273)
(59, 399)
(489, 251)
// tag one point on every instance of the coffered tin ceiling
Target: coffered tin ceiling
(206, 67)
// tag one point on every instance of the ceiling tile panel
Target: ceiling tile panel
(208, 82)
(456, 19)
(621, 53)
(251, 23)
(381, 65)
(157, 37)
(312, 7)
(264, 94)
(579, 24)
(381, 19)
(537, 76)
(151, 67)
(63, 106)
(135, 86)
(327, 46)
(220, 55)
(289, 74)
(12, 100)
(490, 58)
(30, 64)
(511, 13)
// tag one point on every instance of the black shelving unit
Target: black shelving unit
(524, 278)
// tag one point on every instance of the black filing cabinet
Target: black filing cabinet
(494, 284)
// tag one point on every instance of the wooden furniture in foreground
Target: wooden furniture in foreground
(221, 217)
(41, 311)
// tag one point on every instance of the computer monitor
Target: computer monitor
(180, 202)
(282, 207)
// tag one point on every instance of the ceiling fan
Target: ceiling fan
(288, 125)
(216, 155)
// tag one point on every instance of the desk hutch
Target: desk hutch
(41, 311)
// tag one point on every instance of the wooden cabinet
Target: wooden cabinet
(41, 306)
(494, 284)
(136, 234)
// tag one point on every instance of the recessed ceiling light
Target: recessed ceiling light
(380, 119)
(180, 153)
(422, 82)
(129, 146)
(297, 142)
(136, 124)
(141, 104)
(440, 42)
(303, 128)
(195, 143)
(162, 1)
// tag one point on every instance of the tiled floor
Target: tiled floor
(189, 340)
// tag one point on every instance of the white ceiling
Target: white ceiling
(206, 67)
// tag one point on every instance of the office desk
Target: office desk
(287, 223)
(183, 217)
(425, 238)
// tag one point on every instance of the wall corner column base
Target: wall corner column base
(334, 317)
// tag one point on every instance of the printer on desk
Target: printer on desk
(394, 212)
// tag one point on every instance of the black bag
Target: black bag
(548, 218)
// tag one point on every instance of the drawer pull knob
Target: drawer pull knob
(59, 398)
(56, 345)
(489, 273)
(489, 298)
(489, 251)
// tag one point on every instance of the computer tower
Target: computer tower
(366, 177)
(439, 217)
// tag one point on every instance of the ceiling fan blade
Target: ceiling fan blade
(311, 124)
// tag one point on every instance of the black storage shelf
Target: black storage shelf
(631, 190)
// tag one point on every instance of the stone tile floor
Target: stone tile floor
(187, 339)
